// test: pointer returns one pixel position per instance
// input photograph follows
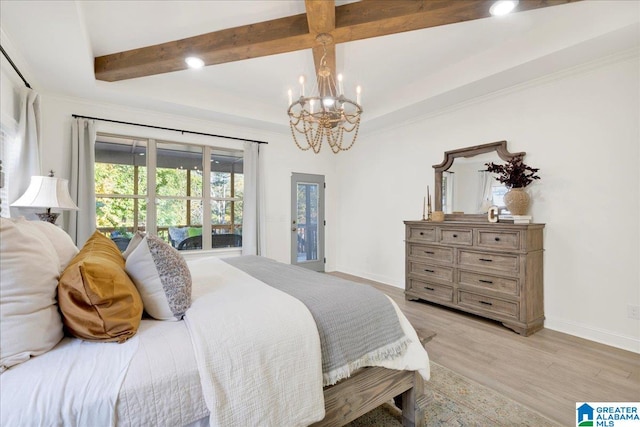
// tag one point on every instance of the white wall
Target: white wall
(10, 86)
(581, 128)
(281, 157)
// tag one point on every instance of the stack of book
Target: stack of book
(521, 219)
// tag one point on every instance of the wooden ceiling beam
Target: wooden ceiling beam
(374, 18)
(349, 22)
(234, 44)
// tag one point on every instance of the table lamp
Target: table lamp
(47, 192)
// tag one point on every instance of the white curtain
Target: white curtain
(253, 224)
(25, 158)
(83, 140)
(485, 197)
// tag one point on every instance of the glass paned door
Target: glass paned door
(307, 221)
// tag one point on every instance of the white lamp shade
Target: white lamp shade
(47, 192)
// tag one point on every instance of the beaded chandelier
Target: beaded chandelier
(326, 114)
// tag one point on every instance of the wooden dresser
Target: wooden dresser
(492, 270)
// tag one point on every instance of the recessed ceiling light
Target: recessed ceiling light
(502, 7)
(194, 62)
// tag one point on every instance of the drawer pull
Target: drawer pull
(455, 235)
(429, 289)
(497, 239)
(429, 271)
(421, 233)
(486, 260)
(429, 252)
(485, 302)
(485, 281)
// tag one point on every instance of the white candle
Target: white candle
(358, 91)
(301, 80)
(290, 97)
(340, 88)
(311, 103)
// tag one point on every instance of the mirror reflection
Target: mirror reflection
(468, 188)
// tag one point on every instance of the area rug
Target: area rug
(459, 401)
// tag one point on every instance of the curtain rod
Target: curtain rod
(171, 129)
(6, 55)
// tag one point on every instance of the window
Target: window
(168, 189)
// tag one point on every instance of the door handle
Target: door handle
(294, 229)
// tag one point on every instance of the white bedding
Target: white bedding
(53, 389)
(259, 359)
(262, 365)
(162, 386)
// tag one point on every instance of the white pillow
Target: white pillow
(133, 244)
(162, 277)
(61, 241)
(30, 323)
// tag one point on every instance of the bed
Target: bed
(244, 352)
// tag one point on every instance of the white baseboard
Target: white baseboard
(375, 277)
(593, 334)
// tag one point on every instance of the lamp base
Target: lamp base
(48, 216)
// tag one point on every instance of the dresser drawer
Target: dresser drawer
(435, 272)
(421, 234)
(432, 253)
(495, 283)
(505, 263)
(456, 237)
(508, 240)
(484, 303)
(431, 291)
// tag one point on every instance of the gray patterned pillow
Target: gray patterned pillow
(162, 278)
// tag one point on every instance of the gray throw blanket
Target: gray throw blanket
(357, 323)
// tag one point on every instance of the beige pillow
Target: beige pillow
(61, 241)
(98, 300)
(29, 320)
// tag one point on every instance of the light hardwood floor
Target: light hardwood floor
(548, 371)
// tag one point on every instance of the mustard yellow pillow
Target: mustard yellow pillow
(98, 300)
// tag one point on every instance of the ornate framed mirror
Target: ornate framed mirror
(461, 183)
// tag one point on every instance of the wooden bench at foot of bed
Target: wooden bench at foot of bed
(370, 387)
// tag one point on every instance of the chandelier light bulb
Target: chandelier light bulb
(358, 92)
(503, 7)
(290, 93)
(340, 88)
(328, 102)
(301, 80)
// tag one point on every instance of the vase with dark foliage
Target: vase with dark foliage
(516, 176)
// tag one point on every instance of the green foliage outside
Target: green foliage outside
(307, 198)
(119, 179)
(119, 213)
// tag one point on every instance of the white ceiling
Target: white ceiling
(403, 75)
